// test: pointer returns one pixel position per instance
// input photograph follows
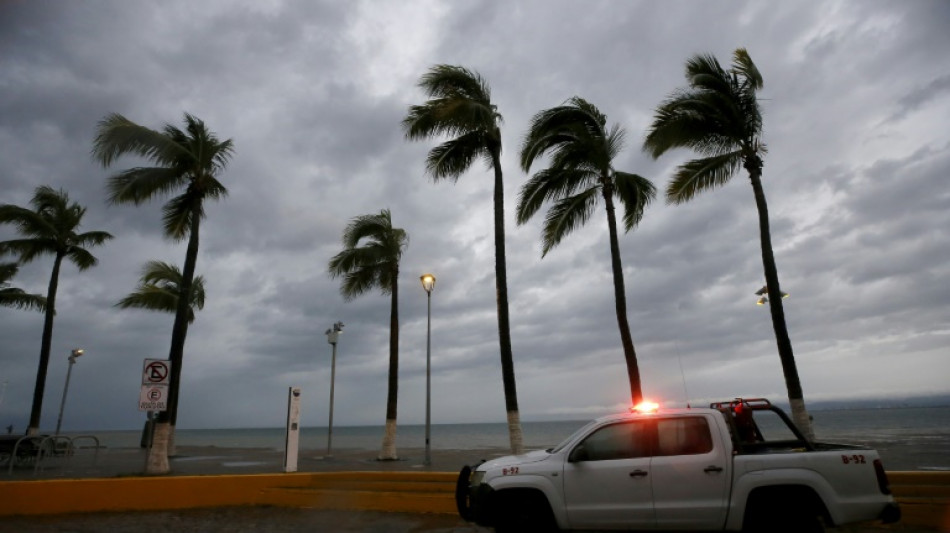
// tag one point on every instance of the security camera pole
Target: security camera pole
(72, 361)
(332, 336)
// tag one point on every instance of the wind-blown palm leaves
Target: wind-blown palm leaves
(460, 107)
(17, 298)
(187, 162)
(159, 289)
(372, 248)
(49, 228)
(718, 116)
(582, 150)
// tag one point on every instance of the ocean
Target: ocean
(907, 438)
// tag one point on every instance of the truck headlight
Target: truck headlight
(476, 478)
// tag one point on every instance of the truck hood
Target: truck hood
(512, 460)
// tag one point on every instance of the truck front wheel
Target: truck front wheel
(517, 511)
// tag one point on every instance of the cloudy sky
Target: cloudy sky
(856, 99)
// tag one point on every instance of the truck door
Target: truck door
(607, 478)
(690, 473)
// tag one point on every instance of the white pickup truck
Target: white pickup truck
(735, 466)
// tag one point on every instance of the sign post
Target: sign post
(293, 430)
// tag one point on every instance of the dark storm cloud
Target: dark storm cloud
(312, 94)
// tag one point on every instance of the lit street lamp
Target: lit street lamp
(72, 361)
(332, 336)
(428, 283)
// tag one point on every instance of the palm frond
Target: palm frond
(550, 184)
(117, 135)
(742, 64)
(452, 158)
(140, 184)
(16, 298)
(160, 288)
(177, 215)
(565, 216)
(635, 193)
(699, 175)
(81, 257)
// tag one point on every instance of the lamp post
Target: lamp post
(333, 335)
(72, 361)
(428, 283)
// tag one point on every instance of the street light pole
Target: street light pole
(333, 336)
(428, 284)
(62, 404)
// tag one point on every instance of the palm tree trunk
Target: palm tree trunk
(620, 299)
(789, 368)
(165, 423)
(45, 347)
(501, 297)
(388, 452)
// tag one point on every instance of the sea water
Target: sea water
(907, 438)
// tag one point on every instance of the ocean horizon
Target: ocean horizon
(908, 438)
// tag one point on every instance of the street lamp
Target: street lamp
(72, 361)
(333, 335)
(428, 283)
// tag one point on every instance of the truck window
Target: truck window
(625, 440)
(683, 436)
(772, 427)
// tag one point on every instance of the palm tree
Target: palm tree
(160, 288)
(14, 297)
(581, 170)
(460, 106)
(718, 116)
(188, 161)
(375, 264)
(49, 228)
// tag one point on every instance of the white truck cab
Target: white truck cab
(738, 465)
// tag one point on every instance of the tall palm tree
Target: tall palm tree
(372, 248)
(17, 298)
(160, 288)
(718, 116)
(582, 151)
(186, 162)
(460, 106)
(49, 228)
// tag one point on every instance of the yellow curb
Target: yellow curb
(924, 497)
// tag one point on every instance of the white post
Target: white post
(293, 430)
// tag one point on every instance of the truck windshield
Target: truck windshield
(574, 435)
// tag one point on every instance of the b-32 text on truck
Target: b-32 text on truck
(740, 465)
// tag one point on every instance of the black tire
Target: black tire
(792, 511)
(462, 501)
(522, 512)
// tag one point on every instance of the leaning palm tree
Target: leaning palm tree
(188, 161)
(49, 228)
(582, 151)
(718, 116)
(460, 106)
(159, 289)
(17, 298)
(372, 248)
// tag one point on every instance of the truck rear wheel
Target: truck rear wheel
(784, 510)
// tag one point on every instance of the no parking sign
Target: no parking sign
(153, 395)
